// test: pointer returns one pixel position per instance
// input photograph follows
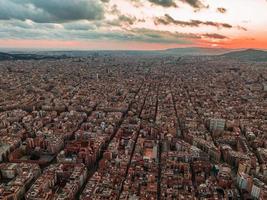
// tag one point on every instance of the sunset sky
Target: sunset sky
(132, 24)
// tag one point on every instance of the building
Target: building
(216, 124)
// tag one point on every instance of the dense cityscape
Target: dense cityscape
(108, 127)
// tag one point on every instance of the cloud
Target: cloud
(84, 31)
(51, 11)
(164, 3)
(88, 31)
(215, 24)
(166, 34)
(221, 10)
(127, 19)
(214, 36)
(156, 36)
(171, 3)
(121, 20)
(102, 20)
(80, 25)
(242, 28)
(114, 10)
(167, 19)
(194, 3)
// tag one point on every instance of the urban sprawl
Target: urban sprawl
(133, 128)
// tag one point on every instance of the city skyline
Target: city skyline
(132, 24)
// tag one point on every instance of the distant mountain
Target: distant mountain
(25, 56)
(197, 51)
(176, 51)
(85, 53)
(249, 55)
(6, 56)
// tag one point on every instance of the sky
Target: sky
(132, 24)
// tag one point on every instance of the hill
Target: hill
(192, 51)
(25, 56)
(6, 56)
(197, 51)
(248, 55)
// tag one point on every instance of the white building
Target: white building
(265, 87)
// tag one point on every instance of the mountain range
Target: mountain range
(245, 55)
(27, 56)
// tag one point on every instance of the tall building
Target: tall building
(155, 151)
(265, 87)
(216, 124)
(258, 189)
(244, 181)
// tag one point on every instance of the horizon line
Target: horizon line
(114, 50)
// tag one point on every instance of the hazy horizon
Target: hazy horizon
(7, 50)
